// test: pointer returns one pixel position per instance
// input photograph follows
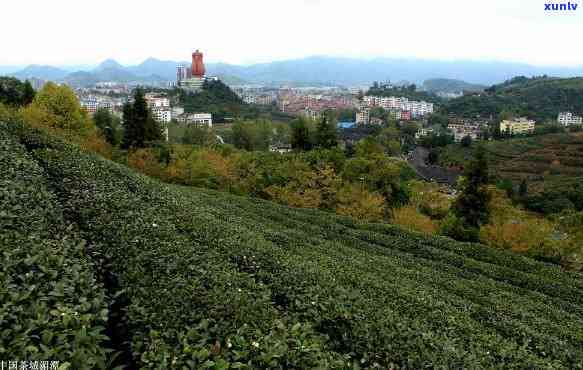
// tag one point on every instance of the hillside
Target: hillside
(540, 98)
(553, 161)
(99, 258)
(446, 85)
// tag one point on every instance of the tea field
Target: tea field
(103, 267)
(546, 161)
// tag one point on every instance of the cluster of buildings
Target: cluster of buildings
(569, 119)
(312, 105)
(399, 104)
(462, 127)
(259, 99)
(307, 102)
(91, 103)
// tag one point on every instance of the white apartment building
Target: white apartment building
(417, 108)
(157, 101)
(517, 126)
(162, 114)
(92, 104)
(569, 119)
(197, 119)
(249, 99)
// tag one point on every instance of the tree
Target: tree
(15, 93)
(57, 106)
(471, 208)
(523, 189)
(300, 135)
(108, 125)
(140, 126)
(466, 141)
(200, 135)
(252, 135)
(326, 133)
(433, 157)
(27, 93)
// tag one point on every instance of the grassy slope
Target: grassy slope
(554, 159)
(210, 279)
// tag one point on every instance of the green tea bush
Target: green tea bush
(212, 280)
(52, 306)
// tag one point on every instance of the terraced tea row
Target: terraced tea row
(211, 280)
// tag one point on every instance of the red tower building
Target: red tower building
(197, 64)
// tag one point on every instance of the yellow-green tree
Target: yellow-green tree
(57, 107)
(355, 201)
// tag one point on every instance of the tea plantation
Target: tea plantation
(97, 260)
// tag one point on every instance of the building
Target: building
(519, 126)
(280, 148)
(363, 116)
(264, 99)
(90, 105)
(193, 79)
(423, 131)
(197, 119)
(569, 119)
(162, 114)
(157, 101)
(311, 114)
(198, 69)
(392, 103)
(182, 73)
(248, 99)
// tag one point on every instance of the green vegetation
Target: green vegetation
(218, 99)
(140, 127)
(199, 279)
(54, 306)
(15, 93)
(471, 208)
(553, 161)
(539, 98)
(450, 86)
(109, 126)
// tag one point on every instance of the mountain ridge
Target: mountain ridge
(323, 70)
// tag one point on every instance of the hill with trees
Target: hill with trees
(539, 98)
(217, 98)
(108, 267)
(446, 85)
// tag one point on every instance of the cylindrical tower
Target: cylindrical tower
(197, 64)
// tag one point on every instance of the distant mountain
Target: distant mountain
(151, 66)
(321, 70)
(445, 85)
(348, 71)
(109, 64)
(43, 72)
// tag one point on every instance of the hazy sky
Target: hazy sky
(66, 32)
